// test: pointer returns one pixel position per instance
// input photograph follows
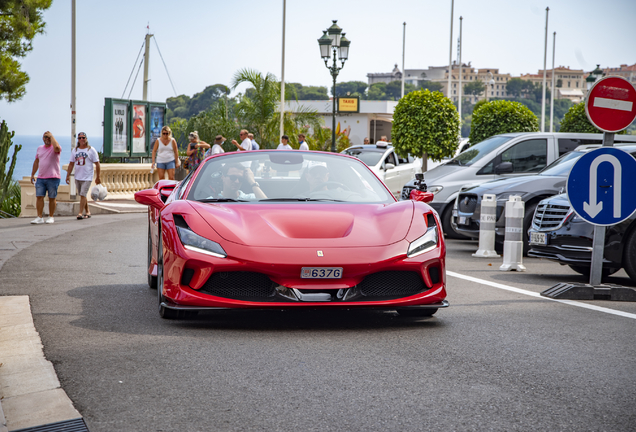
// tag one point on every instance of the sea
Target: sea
(30, 144)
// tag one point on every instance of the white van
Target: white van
(500, 156)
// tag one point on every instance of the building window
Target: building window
(568, 83)
(577, 83)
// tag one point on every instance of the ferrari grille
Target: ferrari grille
(239, 285)
(391, 284)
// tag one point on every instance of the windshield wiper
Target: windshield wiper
(221, 200)
(299, 199)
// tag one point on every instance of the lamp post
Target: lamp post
(333, 42)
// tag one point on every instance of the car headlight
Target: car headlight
(423, 244)
(435, 189)
(195, 242)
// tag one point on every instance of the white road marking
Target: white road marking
(537, 295)
(613, 104)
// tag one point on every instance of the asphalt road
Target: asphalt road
(496, 360)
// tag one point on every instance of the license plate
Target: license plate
(537, 238)
(321, 273)
(462, 220)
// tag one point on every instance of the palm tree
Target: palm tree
(257, 109)
(257, 106)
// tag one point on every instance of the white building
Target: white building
(373, 121)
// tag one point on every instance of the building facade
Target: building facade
(394, 75)
(627, 72)
(569, 83)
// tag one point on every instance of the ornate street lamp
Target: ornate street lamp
(594, 76)
(333, 42)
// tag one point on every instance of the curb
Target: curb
(30, 392)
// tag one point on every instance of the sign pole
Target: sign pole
(598, 244)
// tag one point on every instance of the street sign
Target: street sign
(610, 104)
(600, 186)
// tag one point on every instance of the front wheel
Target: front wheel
(448, 228)
(152, 280)
(164, 312)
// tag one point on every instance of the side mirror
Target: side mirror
(388, 166)
(150, 197)
(504, 168)
(417, 195)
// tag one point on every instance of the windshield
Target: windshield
(479, 150)
(284, 176)
(562, 166)
(370, 157)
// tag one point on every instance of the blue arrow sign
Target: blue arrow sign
(601, 186)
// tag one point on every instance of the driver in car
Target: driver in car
(234, 175)
(317, 178)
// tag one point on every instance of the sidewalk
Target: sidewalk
(30, 392)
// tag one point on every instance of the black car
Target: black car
(532, 189)
(558, 234)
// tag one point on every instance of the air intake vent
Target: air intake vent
(391, 284)
(240, 286)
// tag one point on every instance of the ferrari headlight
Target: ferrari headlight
(195, 242)
(435, 189)
(424, 244)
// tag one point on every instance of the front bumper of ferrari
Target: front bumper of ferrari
(269, 280)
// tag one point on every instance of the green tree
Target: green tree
(351, 87)
(394, 89)
(425, 123)
(474, 88)
(20, 22)
(376, 91)
(296, 91)
(575, 120)
(430, 85)
(257, 109)
(500, 116)
(6, 177)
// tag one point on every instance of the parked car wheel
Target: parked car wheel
(629, 256)
(152, 280)
(446, 224)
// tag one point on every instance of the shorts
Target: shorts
(82, 187)
(44, 185)
(166, 165)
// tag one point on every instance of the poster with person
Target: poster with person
(156, 122)
(139, 129)
(120, 128)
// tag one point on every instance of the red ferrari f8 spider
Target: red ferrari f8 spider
(291, 229)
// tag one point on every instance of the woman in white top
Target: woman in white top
(284, 140)
(166, 152)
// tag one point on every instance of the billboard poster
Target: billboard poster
(120, 132)
(156, 123)
(139, 128)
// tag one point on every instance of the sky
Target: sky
(206, 42)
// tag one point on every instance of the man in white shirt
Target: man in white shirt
(301, 141)
(284, 140)
(82, 158)
(217, 146)
(246, 144)
(255, 145)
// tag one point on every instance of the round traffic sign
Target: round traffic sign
(600, 186)
(610, 104)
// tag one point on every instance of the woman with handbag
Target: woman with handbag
(166, 152)
(196, 151)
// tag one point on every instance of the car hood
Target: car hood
(300, 225)
(525, 184)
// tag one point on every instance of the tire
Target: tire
(164, 312)
(152, 280)
(417, 313)
(629, 255)
(447, 227)
(585, 271)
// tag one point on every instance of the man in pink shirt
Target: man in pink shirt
(47, 160)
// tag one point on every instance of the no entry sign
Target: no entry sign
(610, 104)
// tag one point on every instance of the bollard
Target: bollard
(487, 221)
(513, 243)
